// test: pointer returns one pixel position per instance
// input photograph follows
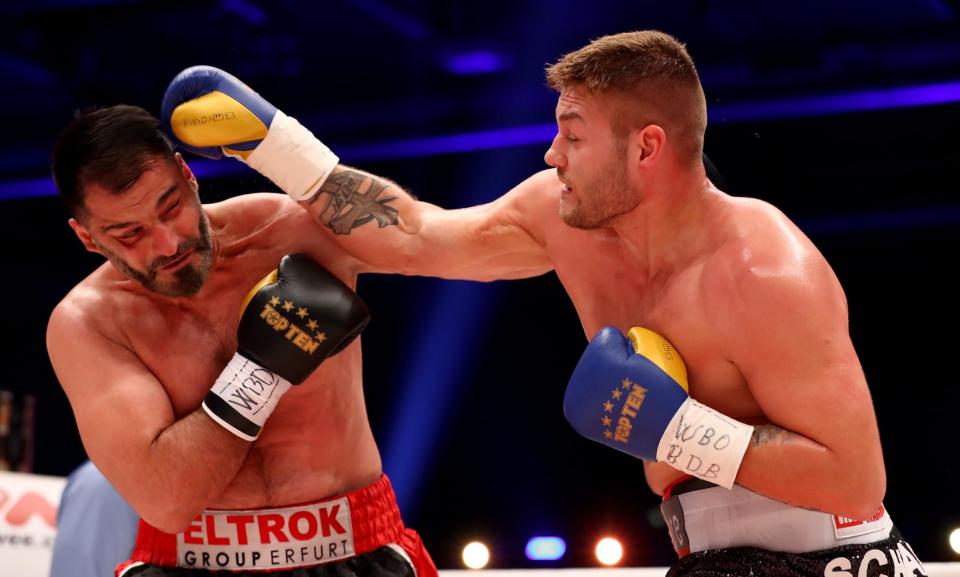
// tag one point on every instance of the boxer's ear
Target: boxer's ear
(186, 172)
(83, 235)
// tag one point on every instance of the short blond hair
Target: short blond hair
(652, 78)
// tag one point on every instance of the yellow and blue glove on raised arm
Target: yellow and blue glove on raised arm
(630, 393)
(211, 113)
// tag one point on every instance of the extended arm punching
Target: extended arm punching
(213, 114)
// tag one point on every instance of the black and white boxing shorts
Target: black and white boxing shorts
(719, 532)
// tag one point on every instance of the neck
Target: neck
(217, 258)
(667, 228)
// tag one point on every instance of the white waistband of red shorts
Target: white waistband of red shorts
(713, 517)
(279, 538)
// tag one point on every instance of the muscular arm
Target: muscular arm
(787, 332)
(168, 469)
(390, 231)
(372, 218)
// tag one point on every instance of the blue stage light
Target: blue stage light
(474, 63)
(545, 548)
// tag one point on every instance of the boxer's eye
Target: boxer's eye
(171, 209)
(131, 235)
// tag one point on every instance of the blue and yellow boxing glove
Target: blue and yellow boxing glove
(211, 113)
(630, 393)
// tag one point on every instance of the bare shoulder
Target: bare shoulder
(273, 224)
(539, 191)
(249, 212)
(764, 262)
(70, 315)
(81, 308)
(758, 241)
(265, 220)
(83, 319)
(534, 203)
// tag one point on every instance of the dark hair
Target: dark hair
(107, 146)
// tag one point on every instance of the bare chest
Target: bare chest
(186, 349)
(186, 346)
(607, 290)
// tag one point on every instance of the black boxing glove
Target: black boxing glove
(297, 316)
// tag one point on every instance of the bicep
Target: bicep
(388, 230)
(795, 353)
(119, 406)
(485, 242)
(815, 388)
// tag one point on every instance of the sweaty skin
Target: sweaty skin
(136, 365)
(751, 304)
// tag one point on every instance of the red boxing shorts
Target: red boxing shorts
(362, 528)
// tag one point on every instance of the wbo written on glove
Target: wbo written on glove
(631, 393)
(296, 317)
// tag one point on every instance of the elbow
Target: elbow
(872, 499)
(408, 256)
(865, 495)
(411, 263)
(170, 520)
(864, 510)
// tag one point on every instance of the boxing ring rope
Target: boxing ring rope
(32, 557)
(933, 570)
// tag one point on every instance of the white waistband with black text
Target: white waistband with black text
(275, 539)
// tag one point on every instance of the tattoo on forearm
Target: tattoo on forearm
(351, 198)
(768, 434)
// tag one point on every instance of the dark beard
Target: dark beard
(188, 279)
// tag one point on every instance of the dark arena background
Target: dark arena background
(844, 114)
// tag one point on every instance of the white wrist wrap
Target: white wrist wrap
(244, 396)
(704, 443)
(293, 158)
